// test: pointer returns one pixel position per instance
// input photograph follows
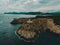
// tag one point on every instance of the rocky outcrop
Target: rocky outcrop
(19, 21)
(31, 28)
(53, 27)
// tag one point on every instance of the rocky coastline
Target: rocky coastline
(31, 28)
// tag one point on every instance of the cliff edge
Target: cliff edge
(31, 28)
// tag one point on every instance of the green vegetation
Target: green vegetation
(33, 13)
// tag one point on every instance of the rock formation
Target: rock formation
(32, 27)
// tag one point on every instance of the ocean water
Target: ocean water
(9, 37)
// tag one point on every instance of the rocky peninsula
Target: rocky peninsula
(31, 28)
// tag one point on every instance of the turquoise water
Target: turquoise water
(9, 37)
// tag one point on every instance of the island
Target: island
(34, 13)
(25, 13)
(32, 28)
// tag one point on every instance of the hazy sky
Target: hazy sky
(29, 5)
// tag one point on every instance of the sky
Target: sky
(29, 5)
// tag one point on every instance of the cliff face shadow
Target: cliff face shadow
(49, 36)
(46, 38)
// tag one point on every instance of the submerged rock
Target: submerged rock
(31, 28)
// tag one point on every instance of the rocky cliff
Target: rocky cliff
(31, 28)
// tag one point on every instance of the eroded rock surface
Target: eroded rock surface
(31, 28)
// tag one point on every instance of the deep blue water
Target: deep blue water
(9, 37)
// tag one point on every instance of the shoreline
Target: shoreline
(22, 38)
(24, 32)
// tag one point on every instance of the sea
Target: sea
(8, 34)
